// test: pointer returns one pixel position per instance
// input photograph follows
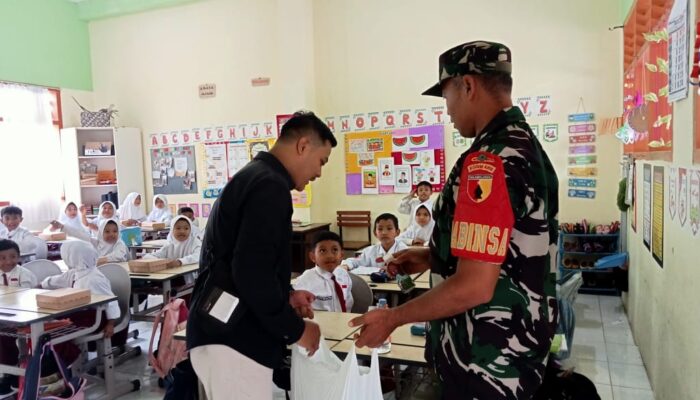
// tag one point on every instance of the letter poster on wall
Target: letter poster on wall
(394, 161)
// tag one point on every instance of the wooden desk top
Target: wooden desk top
(26, 301)
(334, 325)
(399, 353)
(424, 277)
(162, 275)
(149, 230)
(150, 244)
(402, 335)
(17, 317)
(310, 227)
(10, 289)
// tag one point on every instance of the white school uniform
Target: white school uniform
(81, 259)
(369, 255)
(160, 214)
(23, 238)
(75, 222)
(409, 206)
(186, 251)
(319, 282)
(19, 277)
(129, 210)
(98, 219)
(415, 231)
(3, 231)
(114, 252)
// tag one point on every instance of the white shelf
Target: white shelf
(96, 186)
(93, 157)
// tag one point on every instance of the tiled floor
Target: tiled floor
(603, 350)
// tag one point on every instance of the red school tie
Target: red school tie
(339, 293)
(4, 280)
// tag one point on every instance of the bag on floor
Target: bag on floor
(171, 319)
(325, 377)
(560, 384)
(182, 383)
(65, 387)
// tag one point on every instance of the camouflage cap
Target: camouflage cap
(472, 58)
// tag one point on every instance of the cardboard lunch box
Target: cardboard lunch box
(53, 236)
(153, 225)
(148, 265)
(61, 299)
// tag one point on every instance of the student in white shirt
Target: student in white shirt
(189, 213)
(107, 243)
(160, 211)
(329, 282)
(12, 218)
(11, 273)
(386, 229)
(81, 259)
(70, 215)
(107, 210)
(420, 231)
(131, 211)
(418, 197)
(183, 246)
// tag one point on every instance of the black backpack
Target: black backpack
(560, 384)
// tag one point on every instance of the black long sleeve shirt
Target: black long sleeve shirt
(247, 242)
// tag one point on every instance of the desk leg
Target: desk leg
(36, 330)
(166, 292)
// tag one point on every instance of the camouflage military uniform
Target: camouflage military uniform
(497, 350)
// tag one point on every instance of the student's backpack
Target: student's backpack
(171, 319)
(559, 384)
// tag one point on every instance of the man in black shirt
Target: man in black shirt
(244, 311)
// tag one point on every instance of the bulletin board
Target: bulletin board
(394, 161)
(173, 170)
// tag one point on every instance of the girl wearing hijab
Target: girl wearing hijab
(160, 211)
(131, 211)
(109, 247)
(419, 233)
(70, 215)
(107, 210)
(183, 246)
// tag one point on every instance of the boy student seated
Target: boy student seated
(418, 196)
(109, 248)
(107, 210)
(160, 211)
(386, 229)
(329, 282)
(12, 218)
(131, 211)
(420, 231)
(17, 276)
(189, 213)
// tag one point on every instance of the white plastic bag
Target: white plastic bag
(325, 377)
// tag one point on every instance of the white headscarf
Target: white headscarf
(79, 255)
(424, 232)
(129, 210)
(160, 214)
(102, 246)
(97, 221)
(76, 222)
(184, 248)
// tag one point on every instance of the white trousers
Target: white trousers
(229, 375)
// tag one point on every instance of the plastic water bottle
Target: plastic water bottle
(386, 346)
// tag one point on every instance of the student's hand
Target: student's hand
(101, 261)
(109, 329)
(311, 337)
(417, 242)
(409, 261)
(345, 267)
(301, 301)
(55, 225)
(376, 326)
(82, 209)
(92, 226)
(174, 263)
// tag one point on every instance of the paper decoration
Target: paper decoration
(237, 156)
(672, 178)
(181, 205)
(175, 168)
(365, 159)
(544, 106)
(358, 145)
(582, 128)
(195, 209)
(657, 222)
(682, 196)
(370, 185)
(678, 51)
(582, 182)
(172, 208)
(458, 140)
(403, 179)
(583, 172)
(581, 194)
(359, 122)
(582, 149)
(256, 146)
(419, 141)
(583, 160)
(302, 199)
(581, 139)
(216, 173)
(694, 202)
(390, 119)
(525, 104)
(426, 158)
(386, 171)
(584, 117)
(419, 117)
(535, 130)
(211, 193)
(206, 210)
(646, 212)
(399, 141)
(428, 174)
(550, 132)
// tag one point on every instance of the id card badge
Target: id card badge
(221, 305)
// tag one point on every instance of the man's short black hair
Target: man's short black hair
(325, 235)
(497, 82)
(185, 209)
(303, 122)
(386, 217)
(7, 244)
(11, 210)
(425, 183)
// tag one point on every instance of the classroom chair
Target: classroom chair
(121, 287)
(354, 219)
(361, 294)
(41, 249)
(42, 269)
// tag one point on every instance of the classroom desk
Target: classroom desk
(10, 289)
(25, 257)
(424, 277)
(400, 354)
(393, 290)
(182, 335)
(334, 325)
(147, 245)
(301, 244)
(402, 336)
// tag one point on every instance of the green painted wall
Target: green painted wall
(43, 42)
(625, 6)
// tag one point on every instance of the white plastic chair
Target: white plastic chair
(361, 294)
(42, 269)
(39, 247)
